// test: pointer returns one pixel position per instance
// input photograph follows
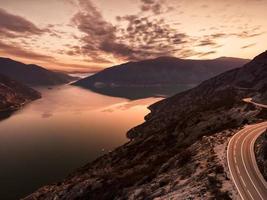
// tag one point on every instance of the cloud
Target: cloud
(156, 7)
(248, 34)
(142, 35)
(15, 26)
(207, 53)
(207, 42)
(139, 37)
(79, 68)
(247, 46)
(150, 37)
(99, 34)
(17, 51)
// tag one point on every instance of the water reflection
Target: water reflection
(134, 93)
(68, 127)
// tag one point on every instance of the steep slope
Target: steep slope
(14, 94)
(32, 75)
(178, 152)
(261, 154)
(223, 91)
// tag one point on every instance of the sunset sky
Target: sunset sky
(88, 35)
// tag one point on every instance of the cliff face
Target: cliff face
(179, 150)
(261, 154)
(32, 75)
(14, 94)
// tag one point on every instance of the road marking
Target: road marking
(250, 194)
(243, 161)
(230, 169)
(243, 181)
(238, 171)
(238, 134)
(253, 157)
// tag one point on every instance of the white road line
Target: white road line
(252, 154)
(241, 132)
(238, 171)
(230, 169)
(243, 181)
(244, 164)
(250, 194)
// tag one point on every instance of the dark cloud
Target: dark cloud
(143, 35)
(100, 35)
(243, 34)
(185, 53)
(15, 26)
(247, 46)
(206, 53)
(248, 34)
(218, 35)
(148, 1)
(155, 6)
(141, 38)
(207, 42)
(16, 50)
(150, 37)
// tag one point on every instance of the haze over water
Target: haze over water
(67, 128)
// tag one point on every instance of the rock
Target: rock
(13, 95)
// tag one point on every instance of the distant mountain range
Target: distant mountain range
(160, 76)
(179, 152)
(13, 94)
(32, 75)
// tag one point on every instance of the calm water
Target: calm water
(64, 130)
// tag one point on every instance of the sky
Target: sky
(78, 36)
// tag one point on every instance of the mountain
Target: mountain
(160, 76)
(179, 152)
(32, 75)
(13, 94)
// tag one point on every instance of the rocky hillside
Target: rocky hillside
(14, 94)
(261, 154)
(221, 92)
(179, 151)
(32, 75)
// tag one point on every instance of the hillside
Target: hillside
(160, 76)
(32, 75)
(13, 94)
(179, 151)
(261, 154)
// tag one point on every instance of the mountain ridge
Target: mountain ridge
(185, 63)
(31, 74)
(161, 74)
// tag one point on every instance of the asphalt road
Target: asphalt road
(242, 163)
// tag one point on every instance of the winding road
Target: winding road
(242, 162)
